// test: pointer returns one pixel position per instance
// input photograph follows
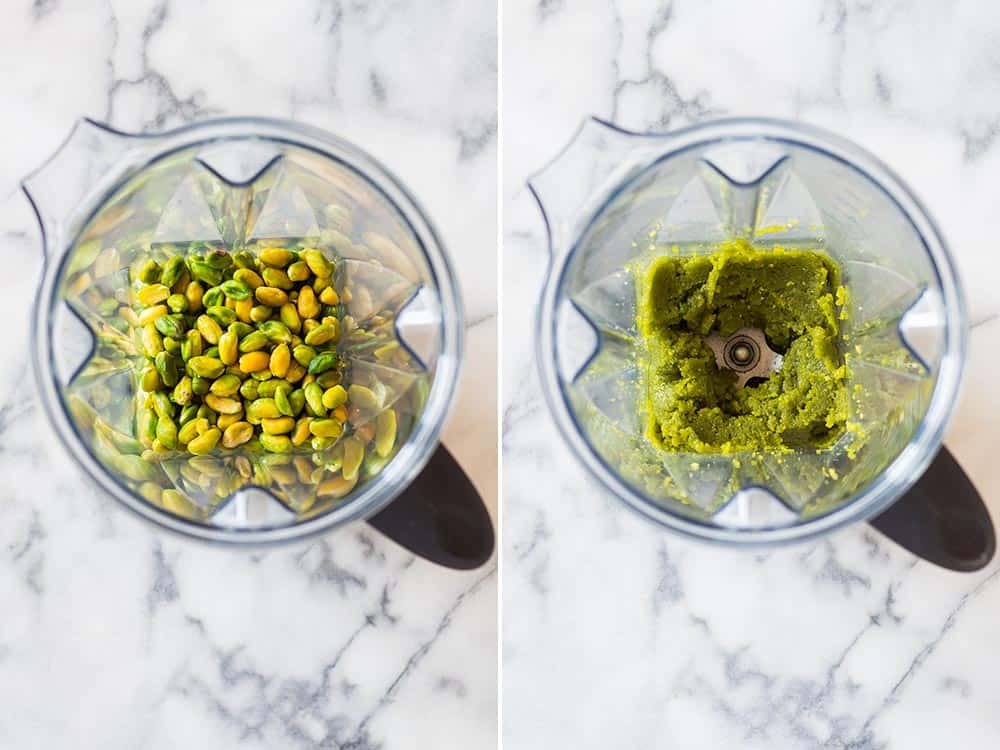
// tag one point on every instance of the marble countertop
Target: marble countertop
(116, 636)
(618, 634)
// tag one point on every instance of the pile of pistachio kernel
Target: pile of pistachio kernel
(241, 351)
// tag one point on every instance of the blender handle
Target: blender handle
(942, 518)
(440, 516)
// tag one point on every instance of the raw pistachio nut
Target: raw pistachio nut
(149, 272)
(276, 331)
(177, 503)
(178, 303)
(277, 257)
(219, 259)
(200, 385)
(166, 432)
(236, 434)
(275, 443)
(334, 397)
(322, 362)
(206, 367)
(226, 385)
(149, 381)
(328, 379)
(171, 325)
(295, 372)
(307, 303)
(297, 400)
(267, 388)
(281, 394)
(223, 404)
(244, 259)
(326, 428)
(172, 270)
(336, 487)
(168, 366)
(277, 425)
(298, 271)
(162, 405)
(249, 278)
(362, 397)
(280, 360)
(204, 272)
(317, 263)
(241, 329)
(260, 313)
(385, 432)
(321, 334)
(183, 392)
(213, 297)
(206, 442)
(249, 389)
(301, 433)
(209, 329)
(243, 309)
(354, 453)
(187, 432)
(254, 362)
(263, 408)
(152, 314)
(153, 294)
(225, 420)
(222, 314)
(145, 426)
(197, 342)
(236, 289)
(228, 348)
(134, 468)
(289, 315)
(314, 399)
(253, 342)
(303, 354)
(277, 278)
(194, 293)
(270, 296)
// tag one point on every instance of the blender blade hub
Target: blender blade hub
(746, 353)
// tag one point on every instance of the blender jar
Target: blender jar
(613, 199)
(108, 202)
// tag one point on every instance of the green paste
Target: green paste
(693, 405)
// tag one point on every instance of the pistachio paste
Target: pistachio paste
(693, 404)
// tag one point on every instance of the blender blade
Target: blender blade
(746, 353)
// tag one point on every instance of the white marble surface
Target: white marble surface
(115, 636)
(616, 634)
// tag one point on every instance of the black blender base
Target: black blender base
(440, 516)
(942, 519)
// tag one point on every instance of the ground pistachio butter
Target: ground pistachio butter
(791, 295)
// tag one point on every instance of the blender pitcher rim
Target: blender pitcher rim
(157, 146)
(907, 466)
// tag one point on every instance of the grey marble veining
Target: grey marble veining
(116, 636)
(617, 634)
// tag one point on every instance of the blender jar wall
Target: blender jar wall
(775, 184)
(190, 185)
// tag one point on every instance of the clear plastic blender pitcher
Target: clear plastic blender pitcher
(108, 201)
(613, 197)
